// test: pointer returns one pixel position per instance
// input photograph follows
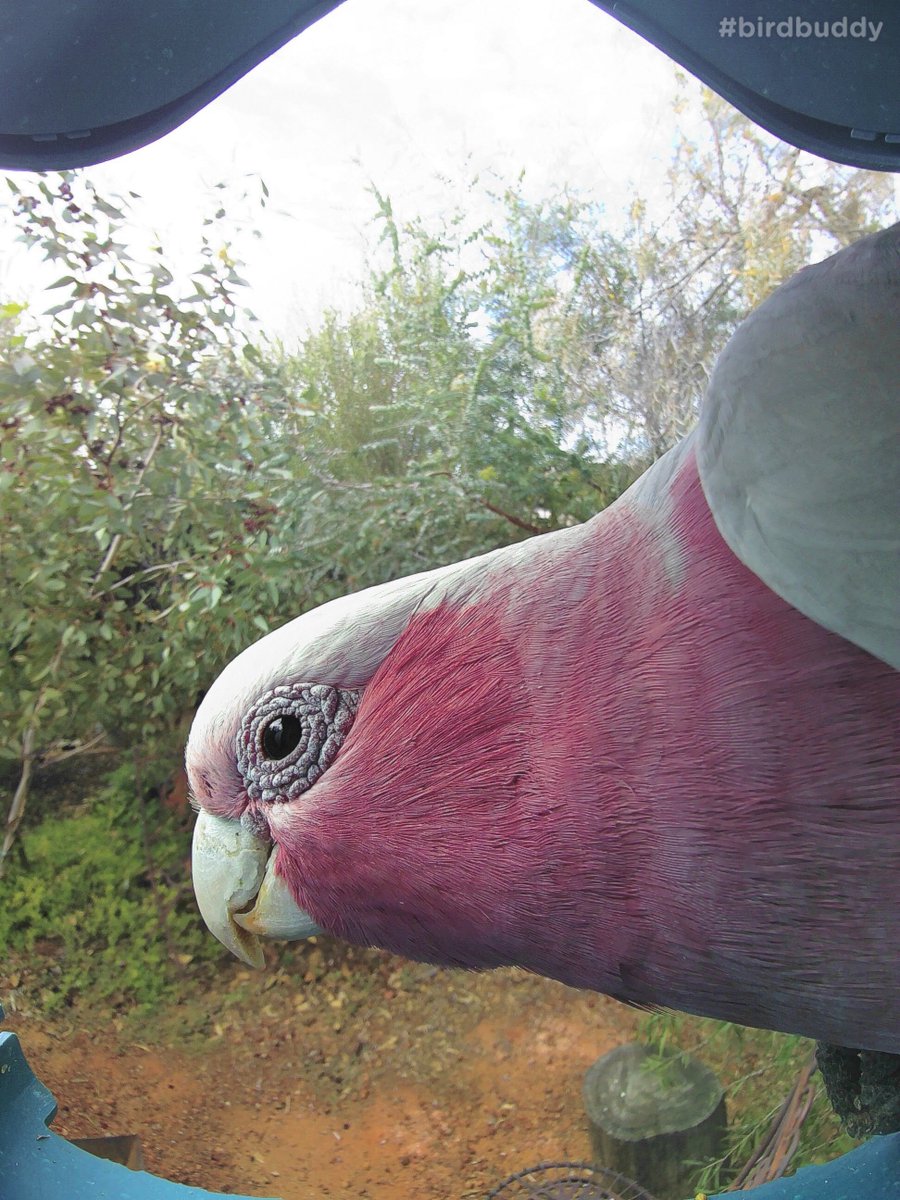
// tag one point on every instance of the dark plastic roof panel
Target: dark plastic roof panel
(836, 95)
(82, 81)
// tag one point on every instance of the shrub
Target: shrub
(107, 898)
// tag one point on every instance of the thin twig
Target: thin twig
(145, 573)
(96, 745)
(778, 1145)
(118, 538)
(511, 517)
(17, 808)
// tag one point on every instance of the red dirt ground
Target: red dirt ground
(368, 1077)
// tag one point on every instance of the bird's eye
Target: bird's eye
(290, 736)
(281, 736)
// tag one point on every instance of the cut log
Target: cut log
(654, 1117)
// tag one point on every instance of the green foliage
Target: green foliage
(758, 1068)
(438, 425)
(107, 899)
(136, 484)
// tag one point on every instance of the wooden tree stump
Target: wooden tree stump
(654, 1117)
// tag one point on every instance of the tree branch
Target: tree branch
(145, 573)
(19, 800)
(95, 745)
(511, 517)
(519, 522)
(118, 538)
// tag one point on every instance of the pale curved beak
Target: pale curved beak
(240, 897)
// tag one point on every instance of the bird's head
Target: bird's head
(363, 771)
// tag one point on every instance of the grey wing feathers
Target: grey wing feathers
(799, 443)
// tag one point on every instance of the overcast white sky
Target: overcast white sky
(401, 92)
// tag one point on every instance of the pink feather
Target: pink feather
(633, 767)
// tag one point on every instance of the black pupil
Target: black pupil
(281, 736)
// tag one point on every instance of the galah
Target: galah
(655, 755)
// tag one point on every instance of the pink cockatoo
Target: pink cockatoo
(655, 755)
